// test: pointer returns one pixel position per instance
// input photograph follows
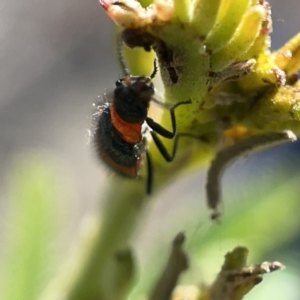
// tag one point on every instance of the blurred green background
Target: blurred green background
(56, 59)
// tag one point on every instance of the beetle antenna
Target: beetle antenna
(120, 55)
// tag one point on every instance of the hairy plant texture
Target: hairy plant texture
(217, 55)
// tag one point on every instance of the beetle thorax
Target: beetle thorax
(132, 97)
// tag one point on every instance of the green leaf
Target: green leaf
(30, 225)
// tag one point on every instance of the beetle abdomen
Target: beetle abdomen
(118, 154)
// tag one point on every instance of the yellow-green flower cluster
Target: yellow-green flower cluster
(216, 53)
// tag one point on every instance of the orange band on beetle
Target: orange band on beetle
(129, 132)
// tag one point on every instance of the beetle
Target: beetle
(119, 120)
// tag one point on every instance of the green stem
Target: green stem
(107, 234)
